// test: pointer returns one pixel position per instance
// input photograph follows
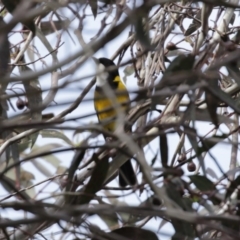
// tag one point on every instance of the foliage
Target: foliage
(181, 57)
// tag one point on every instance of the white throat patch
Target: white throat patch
(101, 78)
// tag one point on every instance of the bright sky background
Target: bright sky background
(221, 151)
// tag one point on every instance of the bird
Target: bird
(110, 77)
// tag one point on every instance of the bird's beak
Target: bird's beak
(95, 60)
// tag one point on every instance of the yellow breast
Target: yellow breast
(102, 104)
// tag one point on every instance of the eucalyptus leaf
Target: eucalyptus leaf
(154, 159)
(136, 233)
(221, 95)
(38, 150)
(9, 186)
(212, 102)
(232, 19)
(142, 33)
(26, 181)
(111, 220)
(42, 168)
(52, 159)
(163, 146)
(173, 192)
(212, 173)
(29, 191)
(78, 157)
(193, 140)
(56, 134)
(47, 45)
(4, 68)
(128, 70)
(15, 156)
(194, 25)
(236, 37)
(181, 63)
(203, 183)
(96, 181)
(34, 96)
(210, 142)
(47, 27)
(183, 230)
(203, 115)
(234, 185)
(12, 7)
(94, 7)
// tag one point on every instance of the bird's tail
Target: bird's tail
(127, 175)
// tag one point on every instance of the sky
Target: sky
(91, 26)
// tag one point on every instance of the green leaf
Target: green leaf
(26, 181)
(78, 157)
(191, 134)
(15, 156)
(151, 201)
(11, 172)
(94, 7)
(47, 45)
(128, 70)
(210, 142)
(9, 186)
(183, 230)
(234, 184)
(38, 150)
(181, 63)
(61, 169)
(52, 159)
(112, 219)
(46, 151)
(206, 185)
(29, 191)
(212, 173)
(232, 18)
(4, 68)
(205, 13)
(141, 28)
(56, 134)
(174, 193)
(135, 233)
(96, 181)
(236, 37)
(23, 145)
(212, 105)
(203, 115)
(163, 145)
(34, 96)
(154, 159)
(203, 183)
(47, 27)
(4, 51)
(233, 70)
(194, 25)
(221, 95)
(12, 7)
(212, 102)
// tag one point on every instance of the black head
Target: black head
(107, 64)
(110, 74)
